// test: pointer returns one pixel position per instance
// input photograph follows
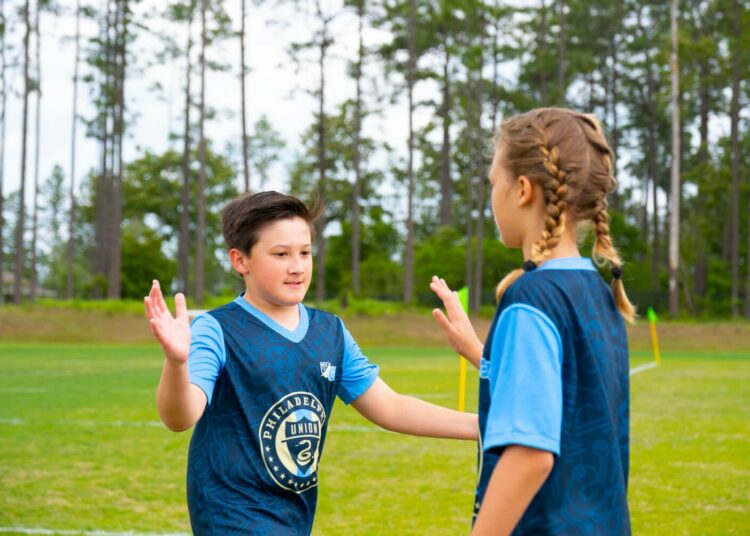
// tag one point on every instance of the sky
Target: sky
(275, 87)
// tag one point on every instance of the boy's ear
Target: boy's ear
(239, 261)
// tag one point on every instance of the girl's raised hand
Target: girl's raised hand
(173, 333)
(456, 326)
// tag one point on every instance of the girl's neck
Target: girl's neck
(284, 315)
(566, 247)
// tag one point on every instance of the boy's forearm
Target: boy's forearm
(409, 415)
(518, 476)
(180, 403)
(417, 417)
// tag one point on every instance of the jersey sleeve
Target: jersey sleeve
(359, 373)
(525, 381)
(207, 353)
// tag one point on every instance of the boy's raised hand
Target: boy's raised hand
(456, 326)
(173, 334)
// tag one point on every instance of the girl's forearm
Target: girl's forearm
(179, 403)
(474, 354)
(518, 476)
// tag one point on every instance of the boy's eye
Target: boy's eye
(305, 253)
(281, 254)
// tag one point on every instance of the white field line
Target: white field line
(34, 530)
(82, 422)
(641, 368)
(158, 424)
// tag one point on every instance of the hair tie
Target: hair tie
(617, 272)
(529, 266)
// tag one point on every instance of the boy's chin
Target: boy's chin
(293, 297)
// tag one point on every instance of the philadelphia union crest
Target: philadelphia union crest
(290, 440)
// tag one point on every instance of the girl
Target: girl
(553, 392)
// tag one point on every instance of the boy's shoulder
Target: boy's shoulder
(319, 315)
(318, 318)
(228, 308)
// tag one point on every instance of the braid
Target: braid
(604, 251)
(555, 190)
(567, 155)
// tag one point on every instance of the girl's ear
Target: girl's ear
(238, 260)
(526, 191)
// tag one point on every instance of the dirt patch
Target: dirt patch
(68, 326)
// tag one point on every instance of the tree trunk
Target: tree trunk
(20, 253)
(475, 293)
(446, 184)
(69, 280)
(468, 257)
(3, 100)
(356, 239)
(320, 282)
(245, 163)
(409, 253)
(614, 101)
(37, 142)
(734, 116)
(652, 168)
(103, 210)
(561, 54)
(747, 282)
(701, 263)
(747, 264)
(541, 57)
(200, 239)
(183, 245)
(120, 61)
(674, 224)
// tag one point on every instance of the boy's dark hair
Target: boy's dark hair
(244, 217)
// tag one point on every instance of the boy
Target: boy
(260, 375)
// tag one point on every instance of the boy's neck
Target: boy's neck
(285, 315)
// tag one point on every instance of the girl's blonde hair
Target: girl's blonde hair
(566, 154)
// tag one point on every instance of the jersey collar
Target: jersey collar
(295, 336)
(568, 263)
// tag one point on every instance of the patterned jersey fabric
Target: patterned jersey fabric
(254, 455)
(554, 376)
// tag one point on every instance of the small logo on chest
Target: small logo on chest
(328, 371)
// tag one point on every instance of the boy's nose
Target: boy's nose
(296, 266)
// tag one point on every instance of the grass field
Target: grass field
(81, 448)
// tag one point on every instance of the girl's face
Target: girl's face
(504, 200)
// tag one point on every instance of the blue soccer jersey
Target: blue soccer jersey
(554, 376)
(254, 455)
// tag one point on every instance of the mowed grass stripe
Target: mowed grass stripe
(688, 455)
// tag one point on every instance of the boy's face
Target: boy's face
(279, 267)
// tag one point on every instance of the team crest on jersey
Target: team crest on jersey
(328, 371)
(290, 436)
